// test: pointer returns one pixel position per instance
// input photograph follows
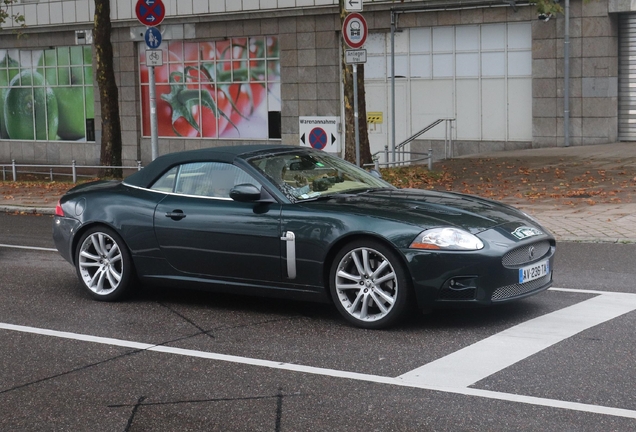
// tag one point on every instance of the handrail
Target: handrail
(448, 145)
(73, 167)
(417, 134)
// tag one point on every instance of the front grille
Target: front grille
(522, 255)
(511, 291)
(451, 294)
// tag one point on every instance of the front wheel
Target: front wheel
(103, 264)
(369, 284)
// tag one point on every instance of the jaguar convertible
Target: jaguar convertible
(293, 222)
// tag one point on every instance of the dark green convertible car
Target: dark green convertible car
(293, 222)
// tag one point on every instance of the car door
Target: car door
(202, 231)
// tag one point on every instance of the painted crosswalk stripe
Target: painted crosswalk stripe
(608, 305)
(491, 355)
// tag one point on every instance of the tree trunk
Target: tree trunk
(111, 145)
(347, 79)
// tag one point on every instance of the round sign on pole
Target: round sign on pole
(152, 37)
(318, 138)
(355, 30)
(150, 12)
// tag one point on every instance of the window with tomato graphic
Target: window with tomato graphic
(220, 89)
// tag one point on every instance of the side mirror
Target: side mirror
(247, 192)
(375, 173)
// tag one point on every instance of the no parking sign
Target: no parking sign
(320, 133)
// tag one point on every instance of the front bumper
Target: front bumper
(483, 277)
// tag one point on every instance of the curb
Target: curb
(27, 210)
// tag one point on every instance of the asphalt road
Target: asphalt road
(171, 359)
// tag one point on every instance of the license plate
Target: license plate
(534, 271)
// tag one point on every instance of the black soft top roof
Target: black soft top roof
(228, 154)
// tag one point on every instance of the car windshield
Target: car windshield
(304, 176)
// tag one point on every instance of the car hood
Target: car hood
(430, 209)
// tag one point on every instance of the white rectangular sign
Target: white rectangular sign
(353, 5)
(355, 56)
(154, 58)
(320, 133)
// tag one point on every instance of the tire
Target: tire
(370, 285)
(104, 265)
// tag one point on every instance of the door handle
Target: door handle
(176, 215)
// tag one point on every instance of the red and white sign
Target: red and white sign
(355, 30)
(150, 12)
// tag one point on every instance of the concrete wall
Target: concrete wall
(310, 74)
(593, 77)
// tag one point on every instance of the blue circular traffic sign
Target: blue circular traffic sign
(153, 37)
(318, 138)
(150, 12)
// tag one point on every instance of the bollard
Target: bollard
(138, 165)
(74, 172)
(430, 159)
(51, 174)
(15, 174)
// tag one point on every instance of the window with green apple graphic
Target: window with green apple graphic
(47, 95)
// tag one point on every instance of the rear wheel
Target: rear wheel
(103, 264)
(369, 284)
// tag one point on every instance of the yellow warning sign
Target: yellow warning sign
(374, 117)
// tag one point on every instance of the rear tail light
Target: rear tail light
(58, 209)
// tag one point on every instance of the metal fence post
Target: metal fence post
(74, 172)
(15, 174)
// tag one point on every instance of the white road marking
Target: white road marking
(491, 355)
(609, 302)
(28, 247)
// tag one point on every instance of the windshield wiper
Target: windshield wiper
(369, 190)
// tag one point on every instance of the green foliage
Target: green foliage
(548, 7)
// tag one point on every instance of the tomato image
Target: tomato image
(212, 88)
(245, 99)
(25, 98)
(209, 115)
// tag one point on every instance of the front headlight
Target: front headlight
(448, 239)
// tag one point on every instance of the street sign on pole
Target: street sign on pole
(154, 58)
(355, 30)
(353, 5)
(150, 12)
(355, 56)
(153, 37)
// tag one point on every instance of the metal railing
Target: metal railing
(73, 169)
(399, 154)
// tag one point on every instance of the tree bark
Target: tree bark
(347, 80)
(111, 144)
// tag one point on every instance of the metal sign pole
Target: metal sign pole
(153, 115)
(355, 112)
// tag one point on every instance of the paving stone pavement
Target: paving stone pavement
(600, 223)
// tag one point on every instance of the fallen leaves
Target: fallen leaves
(565, 182)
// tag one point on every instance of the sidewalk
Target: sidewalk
(603, 211)
(579, 193)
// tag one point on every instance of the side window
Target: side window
(210, 179)
(166, 181)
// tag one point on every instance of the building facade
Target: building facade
(246, 71)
